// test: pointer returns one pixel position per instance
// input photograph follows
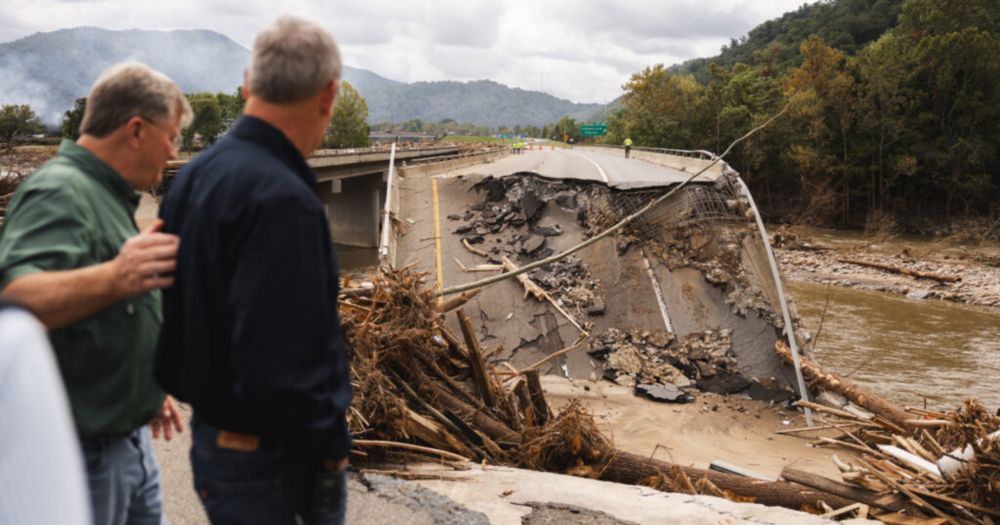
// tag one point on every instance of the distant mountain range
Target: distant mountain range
(50, 70)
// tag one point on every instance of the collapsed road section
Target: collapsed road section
(680, 301)
(674, 307)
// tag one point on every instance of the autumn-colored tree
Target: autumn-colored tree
(660, 104)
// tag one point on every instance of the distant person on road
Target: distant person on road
(628, 146)
(70, 251)
(251, 337)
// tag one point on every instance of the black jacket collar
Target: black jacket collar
(260, 132)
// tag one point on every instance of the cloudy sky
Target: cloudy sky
(582, 50)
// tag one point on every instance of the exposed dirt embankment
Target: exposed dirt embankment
(917, 268)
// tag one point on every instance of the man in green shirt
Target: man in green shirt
(71, 252)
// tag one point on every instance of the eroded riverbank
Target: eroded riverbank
(841, 259)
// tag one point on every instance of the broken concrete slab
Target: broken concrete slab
(506, 496)
(379, 499)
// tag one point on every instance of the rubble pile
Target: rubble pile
(508, 223)
(570, 282)
(662, 367)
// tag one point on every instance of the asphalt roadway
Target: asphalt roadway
(605, 165)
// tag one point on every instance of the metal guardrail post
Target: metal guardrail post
(785, 312)
(383, 249)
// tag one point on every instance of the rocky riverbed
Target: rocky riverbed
(961, 273)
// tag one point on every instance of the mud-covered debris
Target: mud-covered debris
(643, 357)
(596, 307)
(729, 383)
(570, 282)
(547, 231)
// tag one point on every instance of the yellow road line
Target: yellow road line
(437, 236)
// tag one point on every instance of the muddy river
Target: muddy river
(906, 349)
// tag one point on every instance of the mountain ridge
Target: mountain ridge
(48, 70)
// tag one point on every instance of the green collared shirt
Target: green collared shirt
(74, 212)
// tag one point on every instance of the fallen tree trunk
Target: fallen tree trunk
(835, 383)
(458, 300)
(857, 494)
(633, 469)
(941, 278)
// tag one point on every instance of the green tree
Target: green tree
(17, 120)
(565, 127)
(349, 125)
(952, 53)
(73, 118)
(230, 107)
(207, 123)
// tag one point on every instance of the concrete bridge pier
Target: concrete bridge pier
(354, 208)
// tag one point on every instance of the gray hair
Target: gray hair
(293, 59)
(131, 90)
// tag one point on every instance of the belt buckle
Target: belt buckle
(238, 442)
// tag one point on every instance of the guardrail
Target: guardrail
(696, 154)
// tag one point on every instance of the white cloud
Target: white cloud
(577, 49)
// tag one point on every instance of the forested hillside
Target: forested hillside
(846, 25)
(903, 128)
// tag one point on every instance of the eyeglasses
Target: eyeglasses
(175, 140)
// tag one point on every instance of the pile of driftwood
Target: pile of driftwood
(915, 466)
(422, 391)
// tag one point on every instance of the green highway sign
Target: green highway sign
(593, 130)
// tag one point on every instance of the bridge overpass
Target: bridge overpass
(352, 184)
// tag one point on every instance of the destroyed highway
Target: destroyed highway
(655, 356)
(650, 357)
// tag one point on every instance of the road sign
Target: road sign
(593, 130)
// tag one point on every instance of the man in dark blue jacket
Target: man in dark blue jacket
(251, 337)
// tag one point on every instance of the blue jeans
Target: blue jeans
(266, 485)
(124, 480)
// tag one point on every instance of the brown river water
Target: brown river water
(911, 351)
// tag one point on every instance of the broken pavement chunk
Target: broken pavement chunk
(668, 393)
(532, 243)
(531, 205)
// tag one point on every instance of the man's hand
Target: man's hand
(146, 261)
(168, 420)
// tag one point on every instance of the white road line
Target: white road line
(604, 176)
(657, 292)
